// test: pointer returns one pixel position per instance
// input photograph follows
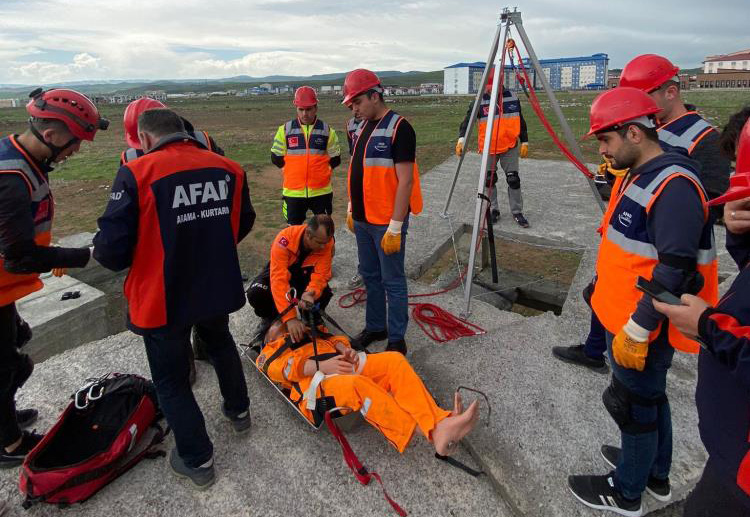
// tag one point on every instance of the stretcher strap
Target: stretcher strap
(312, 391)
(361, 360)
(359, 470)
(459, 465)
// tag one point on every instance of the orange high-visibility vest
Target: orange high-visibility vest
(506, 127)
(627, 252)
(306, 164)
(380, 182)
(14, 160)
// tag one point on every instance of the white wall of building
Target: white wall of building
(711, 67)
(456, 81)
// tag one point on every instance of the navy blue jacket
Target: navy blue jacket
(723, 392)
(174, 217)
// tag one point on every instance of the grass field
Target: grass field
(244, 127)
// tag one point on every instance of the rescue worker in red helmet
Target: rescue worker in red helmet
(383, 387)
(383, 189)
(679, 124)
(510, 140)
(130, 125)
(659, 229)
(679, 127)
(174, 218)
(134, 150)
(307, 150)
(723, 391)
(60, 120)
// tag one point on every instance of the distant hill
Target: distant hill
(391, 77)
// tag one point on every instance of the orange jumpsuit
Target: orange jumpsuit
(385, 389)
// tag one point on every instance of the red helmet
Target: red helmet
(72, 108)
(130, 118)
(648, 72)
(358, 82)
(305, 97)
(618, 105)
(739, 182)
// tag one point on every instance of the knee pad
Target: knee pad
(620, 402)
(513, 180)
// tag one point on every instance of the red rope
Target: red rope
(536, 106)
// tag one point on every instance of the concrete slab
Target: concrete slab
(282, 468)
(59, 325)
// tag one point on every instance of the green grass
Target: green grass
(245, 126)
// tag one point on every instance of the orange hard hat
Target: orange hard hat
(648, 72)
(622, 104)
(358, 82)
(305, 97)
(130, 118)
(73, 108)
(739, 182)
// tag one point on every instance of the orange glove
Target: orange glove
(391, 241)
(630, 346)
(524, 149)
(349, 218)
(59, 271)
(606, 166)
(460, 146)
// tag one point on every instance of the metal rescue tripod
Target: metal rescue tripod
(507, 19)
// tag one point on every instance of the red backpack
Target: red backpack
(111, 424)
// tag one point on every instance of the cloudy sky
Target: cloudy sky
(64, 40)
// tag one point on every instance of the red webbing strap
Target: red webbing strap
(534, 101)
(360, 472)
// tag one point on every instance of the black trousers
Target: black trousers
(717, 495)
(15, 369)
(295, 208)
(260, 298)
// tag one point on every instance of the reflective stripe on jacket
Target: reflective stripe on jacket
(307, 168)
(380, 182)
(507, 127)
(627, 251)
(14, 160)
(685, 131)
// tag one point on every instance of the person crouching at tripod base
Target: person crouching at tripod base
(509, 142)
(301, 257)
(174, 218)
(383, 189)
(659, 229)
(383, 387)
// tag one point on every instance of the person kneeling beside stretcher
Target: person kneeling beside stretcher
(383, 387)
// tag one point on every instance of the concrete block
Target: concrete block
(61, 325)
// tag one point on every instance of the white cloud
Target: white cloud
(140, 39)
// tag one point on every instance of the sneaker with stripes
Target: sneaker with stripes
(599, 492)
(659, 489)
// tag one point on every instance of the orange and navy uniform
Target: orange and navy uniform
(286, 250)
(372, 181)
(26, 213)
(658, 227)
(384, 388)
(509, 127)
(723, 391)
(700, 140)
(174, 217)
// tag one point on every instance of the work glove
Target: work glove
(606, 167)
(524, 149)
(391, 241)
(460, 146)
(59, 271)
(349, 218)
(630, 346)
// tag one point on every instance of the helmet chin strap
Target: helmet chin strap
(55, 150)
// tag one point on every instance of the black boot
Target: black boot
(396, 346)
(362, 340)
